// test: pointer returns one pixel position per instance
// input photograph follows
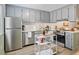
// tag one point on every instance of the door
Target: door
(37, 15)
(1, 11)
(18, 12)
(2, 44)
(13, 39)
(68, 40)
(59, 15)
(1, 25)
(12, 22)
(51, 17)
(25, 15)
(1, 36)
(42, 16)
(32, 15)
(65, 12)
(54, 16)
(71, 13)
(45, 17)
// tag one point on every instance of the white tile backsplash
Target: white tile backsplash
(37, 26)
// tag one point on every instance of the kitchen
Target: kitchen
(30, 21)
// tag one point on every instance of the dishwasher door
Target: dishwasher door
(26, 39)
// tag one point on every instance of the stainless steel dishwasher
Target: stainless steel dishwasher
(27, 38)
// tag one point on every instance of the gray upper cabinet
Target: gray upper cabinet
(10, 10)
(51, 17)
(32, 15)
(54, 16)
(28, 15)
(45, 17)
(65, 13)
(1, 11)
(18, 12)
(25, 15)
(71, 13)
(37, 15)
(59, 14)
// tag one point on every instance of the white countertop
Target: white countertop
(35, 30)
(77, 31)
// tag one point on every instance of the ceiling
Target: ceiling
(46, 7)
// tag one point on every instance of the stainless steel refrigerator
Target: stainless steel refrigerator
(13, 36)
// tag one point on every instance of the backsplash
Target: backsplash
(38, 26)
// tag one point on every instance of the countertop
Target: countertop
(35, 30)
(73, 31)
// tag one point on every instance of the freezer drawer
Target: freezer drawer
(13, 39)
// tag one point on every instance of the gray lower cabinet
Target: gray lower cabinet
(68, 40)
(72, 40)
(2, 44)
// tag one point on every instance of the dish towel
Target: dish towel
(29, 34)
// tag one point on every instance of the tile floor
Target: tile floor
(29, 50)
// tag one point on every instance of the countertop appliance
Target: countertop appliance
(13, 38)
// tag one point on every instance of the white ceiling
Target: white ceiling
(46, 7)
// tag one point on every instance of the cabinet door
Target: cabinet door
(1, 25)
(10, 11)
(1, 44)
(65, 13)
(54, 16)
(59, 14)
(1, 11)
(32, 15)
(37, 15)
(71, 13)
(51, 17)
(42, 16)
(25, 15)
(18, 12)
(68, 40)
(45, 17)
